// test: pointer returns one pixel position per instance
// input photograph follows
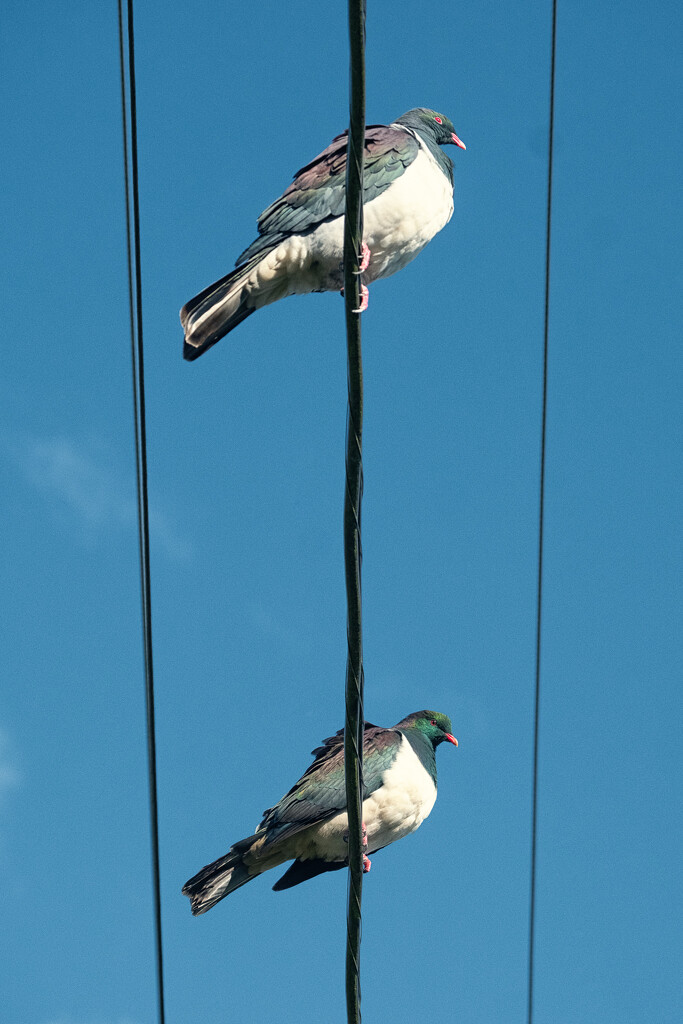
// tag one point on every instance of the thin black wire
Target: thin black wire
(138, 372)
(354, 719)
(541, 509)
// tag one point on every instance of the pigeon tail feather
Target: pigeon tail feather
(216, 310)
(220, 878)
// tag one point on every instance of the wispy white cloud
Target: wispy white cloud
(59, 469)
(79, 478)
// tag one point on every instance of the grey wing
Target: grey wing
(317, 193)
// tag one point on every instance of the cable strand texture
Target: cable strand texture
(354, 718)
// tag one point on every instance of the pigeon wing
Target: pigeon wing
(318, 191)
(321, 791)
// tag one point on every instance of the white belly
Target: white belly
(400, 222)
(397, 226)
(393, 811)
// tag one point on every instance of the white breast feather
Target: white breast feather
(396, 809)
(400, 222)
(397, 226)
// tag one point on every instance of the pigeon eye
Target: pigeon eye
(438, 121)
(433, 721)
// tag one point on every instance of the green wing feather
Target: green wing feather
(317, 193)
(321, 792)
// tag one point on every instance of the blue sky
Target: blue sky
(246, 460)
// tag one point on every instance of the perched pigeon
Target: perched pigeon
(310, 824)
(408, 197)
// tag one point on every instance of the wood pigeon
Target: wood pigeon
(408, 198)
(310, 823)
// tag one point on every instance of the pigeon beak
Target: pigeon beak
(462, 145)
(448, 736)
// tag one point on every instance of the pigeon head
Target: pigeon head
(434, 726)
(431, 125)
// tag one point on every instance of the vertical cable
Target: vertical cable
(137, 356)
(539, 604)
(354, 719)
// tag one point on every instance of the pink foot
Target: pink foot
(364, 834)
(364, 299)
(364, 258)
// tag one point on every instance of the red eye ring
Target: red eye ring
(438, 119)
(433, 722)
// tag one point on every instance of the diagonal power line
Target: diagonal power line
(541, 509)
(138, 373)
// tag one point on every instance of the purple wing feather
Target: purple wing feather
(317, 193)
(320, 793)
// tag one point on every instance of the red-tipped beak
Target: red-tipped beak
(462, 145)
(452, 739)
